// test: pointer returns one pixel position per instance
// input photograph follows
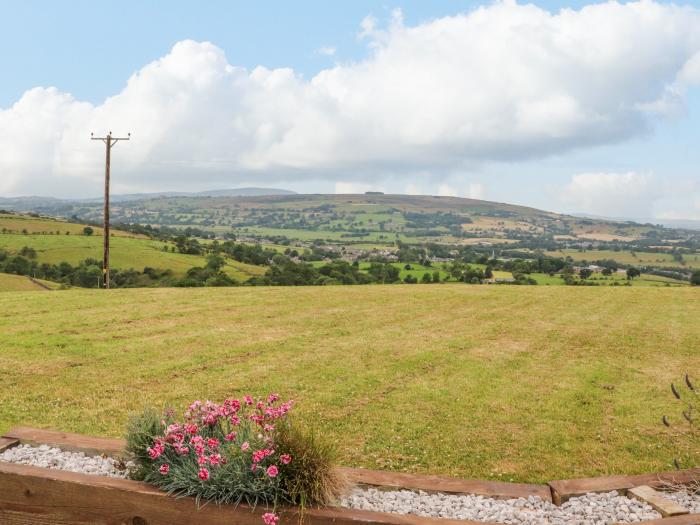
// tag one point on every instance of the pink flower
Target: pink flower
(156, 450)
(272, 471)
(172, 429)
(199, 449)
(286, 459)
(203, 474)
(272, 398)
(191, 428)
(202, 460)
(215, 459)
(231, 436)
(212, 442)
(248, 400)
(269, 428)
(270, 519)
(181, 449)
(245, 446)
(235, 420)
(164, 469)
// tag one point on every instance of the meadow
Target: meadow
(636, 258)
(500, 382)
(127, 252)
(21, 283)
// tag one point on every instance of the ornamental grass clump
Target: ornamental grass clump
(240, 451)
(686, 426)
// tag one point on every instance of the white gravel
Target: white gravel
(591, 509)
(687, 500)
(49, 457)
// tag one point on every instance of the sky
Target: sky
(573, 106)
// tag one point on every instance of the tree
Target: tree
(607, 271)
(488, 273)
(88, 231)
(632, 273)
(436, 276)
(29, 253)
(585, 273)
(695, 278)
(426, 278)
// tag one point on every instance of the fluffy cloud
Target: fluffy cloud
(503, 82)
(611, 194)
(631, 195)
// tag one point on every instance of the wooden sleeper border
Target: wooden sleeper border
(41, 496)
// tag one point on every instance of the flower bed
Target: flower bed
(30, 494)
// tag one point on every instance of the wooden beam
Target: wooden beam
(664, 506)
(562, 490)
(688, 519)
(39, 496)
(6, 443)
(67, 441)
(397, 480)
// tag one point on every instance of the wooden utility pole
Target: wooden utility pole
(109, 142)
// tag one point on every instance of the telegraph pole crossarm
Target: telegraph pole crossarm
(109, 141)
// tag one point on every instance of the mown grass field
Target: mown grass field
(514, 383)
(21, 283)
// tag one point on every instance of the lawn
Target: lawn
(513, 383)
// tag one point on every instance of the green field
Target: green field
(20, 283)
(513, 383)
(126, 252)
(631, 258)
(643, 280)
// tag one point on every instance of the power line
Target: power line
(109, 142)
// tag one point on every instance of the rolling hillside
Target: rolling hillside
(363, 226)
(21, 283)
(56, 241)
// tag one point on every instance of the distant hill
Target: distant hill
(379, 222)
(32, 203)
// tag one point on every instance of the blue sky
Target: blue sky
(645, 166)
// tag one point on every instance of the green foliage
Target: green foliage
(311, 478)
(695, 278)
(142, 429)
(88, 231)
(237, 452)
(28, 252)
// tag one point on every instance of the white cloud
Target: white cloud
(472, 190)
(355, 187)
(326, 50)
(504, 82)
(611, 194)
(631, 195)
(445, 190)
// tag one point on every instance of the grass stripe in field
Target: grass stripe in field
(499, 382)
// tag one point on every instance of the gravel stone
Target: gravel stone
(591, 509)
(690, 501)
(50, 457)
